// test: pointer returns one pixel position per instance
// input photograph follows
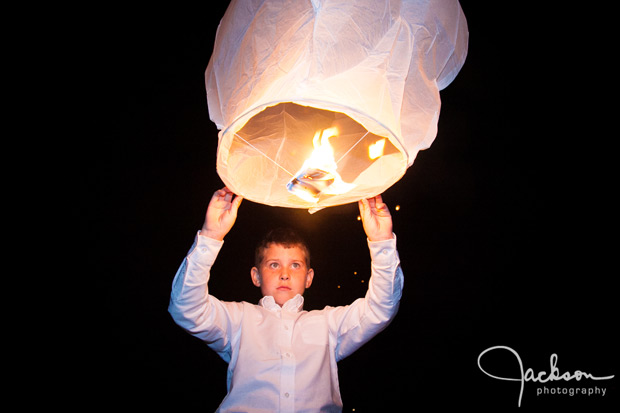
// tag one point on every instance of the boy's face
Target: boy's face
(283, 273)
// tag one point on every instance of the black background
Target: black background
(507, 227)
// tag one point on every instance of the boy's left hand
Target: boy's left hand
(376, 219)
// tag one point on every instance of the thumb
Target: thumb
(236, 202)
(363, 205)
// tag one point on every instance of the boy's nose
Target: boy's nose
(284, 275)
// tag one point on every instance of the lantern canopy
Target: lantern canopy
(325, 102)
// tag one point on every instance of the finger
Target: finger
(220, 193)
(380, 207)
(216, 196)
(372, 203)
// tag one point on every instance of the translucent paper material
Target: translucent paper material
(366, 72)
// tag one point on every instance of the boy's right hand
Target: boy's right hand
(221, 214)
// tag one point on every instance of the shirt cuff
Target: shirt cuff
(205, 249)
(204, 238)
(383, 253)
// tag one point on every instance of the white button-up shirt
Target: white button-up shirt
(283, 359)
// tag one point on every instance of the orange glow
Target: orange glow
(376, 149)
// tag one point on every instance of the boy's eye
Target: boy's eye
(296, 265)
(273, 265)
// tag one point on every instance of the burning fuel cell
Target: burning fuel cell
(309, 183)
(319, 172)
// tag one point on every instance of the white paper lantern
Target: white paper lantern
(325, 102)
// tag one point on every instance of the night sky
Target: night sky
(507, 226)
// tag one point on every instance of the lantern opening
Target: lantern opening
(305, 157)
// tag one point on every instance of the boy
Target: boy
(281, 358)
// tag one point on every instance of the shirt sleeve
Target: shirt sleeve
(193, 308)
(355, 324)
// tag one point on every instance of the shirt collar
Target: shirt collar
(293, 305)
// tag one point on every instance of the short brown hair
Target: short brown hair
(287, 237)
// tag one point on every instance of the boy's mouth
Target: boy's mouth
(283, 288)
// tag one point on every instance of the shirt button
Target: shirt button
(286, 395)
(286, 327)
(287, 354)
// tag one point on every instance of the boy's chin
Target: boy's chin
(282, 297)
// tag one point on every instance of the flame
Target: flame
(323, 155)
(318, 174)
(376, 149)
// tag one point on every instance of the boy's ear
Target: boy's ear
(255, 276)
(309, 277)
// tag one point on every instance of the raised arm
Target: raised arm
(191, 306)
(355, 324)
